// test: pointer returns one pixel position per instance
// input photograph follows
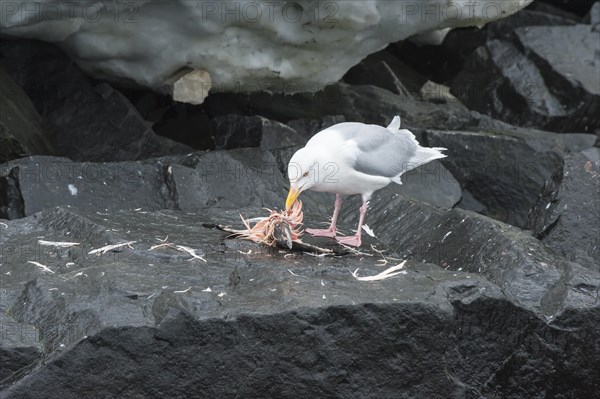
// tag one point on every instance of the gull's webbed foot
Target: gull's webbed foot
(353, 241)
(321, 233)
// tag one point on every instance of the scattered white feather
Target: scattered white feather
(4, 224)
(315, 255)
(107, 248)
(181, 292)
(221, 294)
(446, 235)
(72, 189)
(207, 290)
(368, 230)
(181, 248)
(43, 267)
(392, 271)
(190, 251)
(59, 244)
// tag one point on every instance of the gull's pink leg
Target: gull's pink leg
(355, 240)
(330, 232)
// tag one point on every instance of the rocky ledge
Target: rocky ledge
(480, 308)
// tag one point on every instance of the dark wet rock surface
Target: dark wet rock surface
(567, 214)
(535, 84)
(502, 172)
(151, 315)
(471, 287)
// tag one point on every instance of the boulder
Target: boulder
(573, 71)
(236, 313)
(460, 240)
(574, 9)
(32, 184)
(84, 286)
(182, 123)
(377, 74)
(504, 172)
(76, 111)
(459, 44)
(223, 179)
(21, 128)
(368, 104)
(567, 214)
(237, 131)
(545, 78)
(409, 77)
(309, 127)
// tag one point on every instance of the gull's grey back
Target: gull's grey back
(380, 151)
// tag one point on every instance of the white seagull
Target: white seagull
(354, 158)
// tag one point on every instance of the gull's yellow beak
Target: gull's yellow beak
(291, 198)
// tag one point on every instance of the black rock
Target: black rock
(460, 43)
(461, 240)
(309, 127)
(469, 203)
(227, 179)
(228, 322)
(182, 123)
(223, 179)
(367, 104)
(410, 79)
(32, 184)
(237, 131)
(570, 8)
(545, 78)
(504, 172)
(21, 128)
(567, 214)
(377, 74)
(556, 9)
(573, 70)
(500, 81)
(85, 122)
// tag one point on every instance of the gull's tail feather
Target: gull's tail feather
(427, 154)
(422, 156)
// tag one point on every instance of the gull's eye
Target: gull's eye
(305, 174)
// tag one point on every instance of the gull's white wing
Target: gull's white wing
(376, 150)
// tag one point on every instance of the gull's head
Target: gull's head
(303, 172)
